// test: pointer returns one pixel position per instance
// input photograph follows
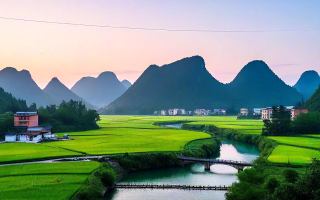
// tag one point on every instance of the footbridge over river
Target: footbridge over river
(239, 165)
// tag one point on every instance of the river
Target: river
(193, 174)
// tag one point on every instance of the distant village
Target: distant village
(261, 113)
(178, 111)
(27, 129)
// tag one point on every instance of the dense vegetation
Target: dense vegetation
(94, 188)
(9, 103)
(314, 102)
(68, 116)
(161, 88)
(261, 182)
(136, 162)
(281, 123)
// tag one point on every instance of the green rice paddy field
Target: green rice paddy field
(121, 134)
(45, 180)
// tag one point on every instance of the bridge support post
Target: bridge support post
(207, 166)
(240, 168)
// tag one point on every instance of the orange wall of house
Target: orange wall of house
(31, 121)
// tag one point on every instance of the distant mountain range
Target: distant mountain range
(59, 91)
(21, 85)
(187, 84)
(126, 83)
(100, 91)
(308, 84)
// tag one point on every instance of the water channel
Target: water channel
(193, 174)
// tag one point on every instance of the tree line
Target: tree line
(281, 123)
(67, 117)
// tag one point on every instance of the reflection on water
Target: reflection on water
(189, 175)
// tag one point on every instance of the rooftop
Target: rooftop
(25, 113)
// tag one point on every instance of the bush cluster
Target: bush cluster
(104, 176)
(259, 182)
(145, 161)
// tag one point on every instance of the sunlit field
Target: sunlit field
(45, 180)
(26, 151)
(134, 134)
(122, 134)
(293, 155)
(298, 141)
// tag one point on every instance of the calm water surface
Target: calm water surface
(193, 174)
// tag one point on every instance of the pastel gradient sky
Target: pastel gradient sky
(71, 52)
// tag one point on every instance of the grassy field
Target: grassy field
(131, 140)
(293, 155)
(44, 180)
(121, 134)
(298, 141)
(49, 168)
(25, 151)
(197, 143)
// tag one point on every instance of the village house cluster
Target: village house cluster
(27, 129)
(178, 111)
(266, 113)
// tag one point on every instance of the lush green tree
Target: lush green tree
(280, 123)
(68, 116)
(291, 175)
(272, 183)
(307, 123)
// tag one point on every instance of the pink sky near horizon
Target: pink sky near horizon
(71, 52)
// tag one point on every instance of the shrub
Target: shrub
(291, 175)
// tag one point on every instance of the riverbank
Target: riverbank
(117, 166)
(268, 180)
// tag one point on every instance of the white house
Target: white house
(219, 111)
(244, 111)
(33, 134)
(11, 137)
(163, 112)
(202, 112)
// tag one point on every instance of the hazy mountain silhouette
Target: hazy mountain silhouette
(58, 90)
(99, 91)
(187, 84)
(126, 83)
(183, 84)
(313, 103)
(256, 85)
(21, 85)
(308, 83)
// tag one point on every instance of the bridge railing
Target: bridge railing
(214, 160)
(168, 186)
